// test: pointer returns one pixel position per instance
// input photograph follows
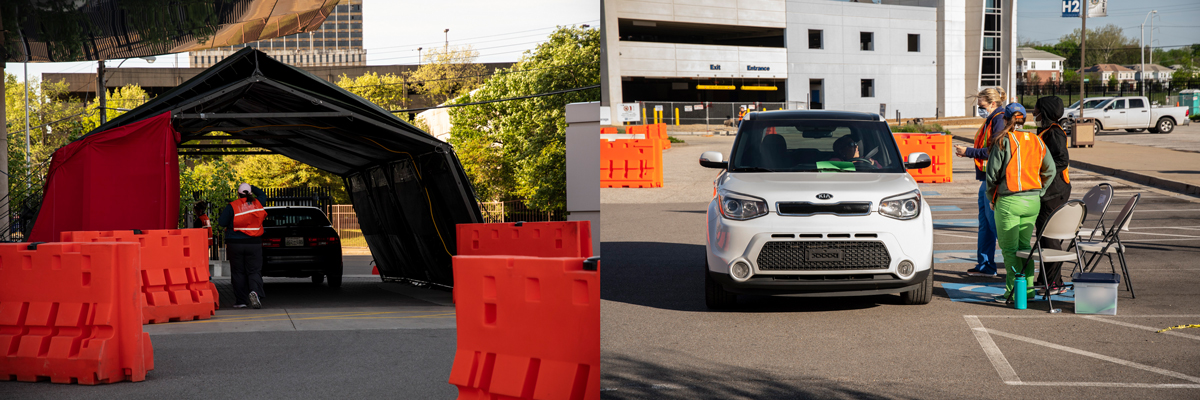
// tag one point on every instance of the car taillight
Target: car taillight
(322, 241)
(272, 242)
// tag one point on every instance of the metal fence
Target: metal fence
(1161, 93)
(514, 211)
(345, 222)
(705, 112)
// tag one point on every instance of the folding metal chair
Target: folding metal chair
(1111, 244)
(1063, 225)
(1097, 200)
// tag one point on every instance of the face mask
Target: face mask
(983, 112)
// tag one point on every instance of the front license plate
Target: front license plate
(293, 241)
(823, 255)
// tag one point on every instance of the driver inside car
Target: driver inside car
(847, 149)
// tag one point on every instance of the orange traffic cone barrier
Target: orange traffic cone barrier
(374, 270)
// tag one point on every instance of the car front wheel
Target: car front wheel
(715, 295)
(923, 294)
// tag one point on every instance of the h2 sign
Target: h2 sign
(1071, 8)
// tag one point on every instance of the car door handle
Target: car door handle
(1122, 112)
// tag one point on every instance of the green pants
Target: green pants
(1015, 218)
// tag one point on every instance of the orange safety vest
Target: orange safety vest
(248, 217)
(1066, 171)
(981, 142)
(1024, 167)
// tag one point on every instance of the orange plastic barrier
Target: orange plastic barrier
(532, 239)
(632, 163)
(68, 313)
(608, 130)
(938, 147)
(528, 326)
(175, 282)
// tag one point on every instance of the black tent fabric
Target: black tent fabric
(408, 188)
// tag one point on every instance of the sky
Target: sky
(393, 29)
(1177, 22)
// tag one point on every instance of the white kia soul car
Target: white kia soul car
(817, 203)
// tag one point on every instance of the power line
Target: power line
(500, 100)
(472, 76)
(488, 36)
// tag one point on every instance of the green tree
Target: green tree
(116, 103)
(517, 149)
(1112, 81)
(1105, 45)
(278, 171)
(211, 181)
(387, 91)
(52, 122)
(448, 73)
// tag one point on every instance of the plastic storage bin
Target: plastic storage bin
(1095, 293)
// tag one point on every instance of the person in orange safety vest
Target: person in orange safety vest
(243, 222)
(1019, 170)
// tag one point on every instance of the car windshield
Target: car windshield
(295, 217)
(814, 146)
(1089, 104)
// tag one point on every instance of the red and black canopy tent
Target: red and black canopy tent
(408, 188)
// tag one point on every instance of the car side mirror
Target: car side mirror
(713, 159)
(918, 160)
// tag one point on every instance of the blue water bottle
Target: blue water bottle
(1019, 292)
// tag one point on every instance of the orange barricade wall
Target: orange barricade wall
(534, 239)
(528, 324)
(175, 283)
(938, 147)
(632, 163)
(68, 313)
(608, 130)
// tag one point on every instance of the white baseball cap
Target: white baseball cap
(244, 188)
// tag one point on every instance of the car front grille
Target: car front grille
(823, 255)
(803, 208)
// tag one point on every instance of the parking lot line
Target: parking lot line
(1007, 374)
(1086, 353)
(1142, 327)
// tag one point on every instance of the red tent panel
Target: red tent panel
(121, 178)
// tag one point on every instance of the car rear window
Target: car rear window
(295, 217)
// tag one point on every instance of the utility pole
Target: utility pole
(1142, 50)
(27, 163)
(447, 32)
(100, 92)
(1082, 58)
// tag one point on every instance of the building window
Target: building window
(1054, 65)
(866, 41)
(868, 88)
(914, 43)
(1033, 65)
(814, 39)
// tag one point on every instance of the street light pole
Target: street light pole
(1142, 51)
(100, 92)
(447, 32)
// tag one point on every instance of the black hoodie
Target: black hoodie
(1051, 109)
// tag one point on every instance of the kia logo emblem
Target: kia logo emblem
(824, 196)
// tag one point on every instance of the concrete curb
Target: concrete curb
(1141, 179)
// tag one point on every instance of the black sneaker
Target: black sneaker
(239, 306)
(982, 274)
(254, 301)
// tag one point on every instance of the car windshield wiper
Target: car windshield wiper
(751, 169)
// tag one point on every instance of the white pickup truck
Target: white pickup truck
(1134, 114)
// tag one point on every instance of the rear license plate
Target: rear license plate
(823, 255)
(293, 241)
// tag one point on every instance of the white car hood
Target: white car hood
(805, 186)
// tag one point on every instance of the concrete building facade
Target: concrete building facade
(337, 43)
(920, 57)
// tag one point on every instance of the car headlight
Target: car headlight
(740, 207)
(902, 206)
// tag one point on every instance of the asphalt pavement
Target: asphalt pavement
(659, 341)
(368, 339)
